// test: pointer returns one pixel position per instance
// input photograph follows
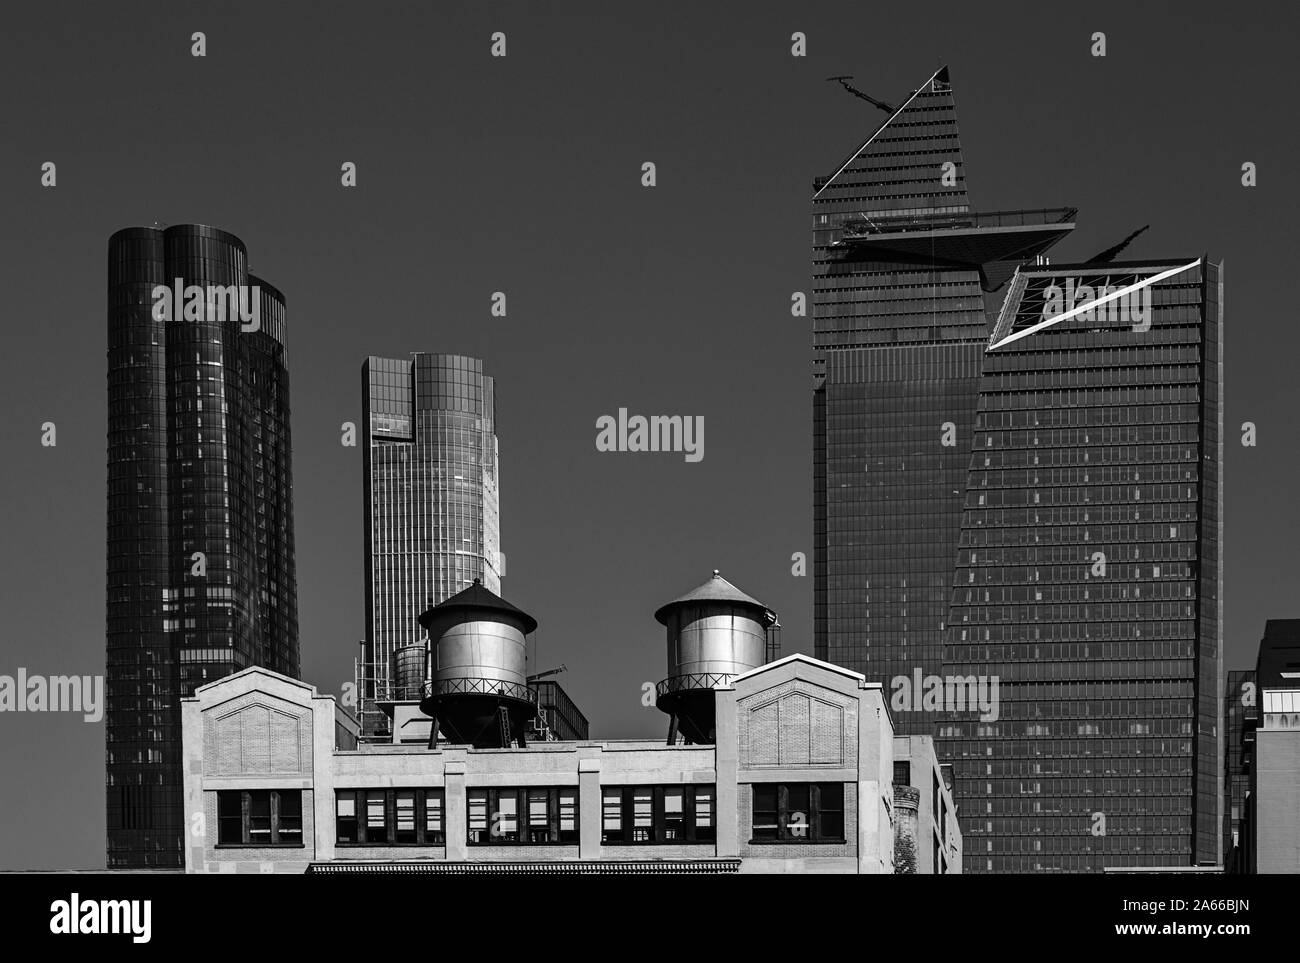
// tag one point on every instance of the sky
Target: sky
(523, 174)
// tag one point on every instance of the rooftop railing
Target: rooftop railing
(490, 687)
(863, 226)
(686, 683)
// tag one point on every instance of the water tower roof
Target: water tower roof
(716, 589)
(477, 598)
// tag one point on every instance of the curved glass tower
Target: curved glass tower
(200, 574)
(432, 516)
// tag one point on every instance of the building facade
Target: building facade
(927, 838)
(432, 510)
(1089, 575)
(1269, 834)
(799, 780)
(1240, 718)
(200, 546)
(1275, 781)
(903, 270)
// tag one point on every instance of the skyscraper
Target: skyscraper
(1088, 576)
(1240, 718)
(200, 551)
(432, 515)
(903, 272)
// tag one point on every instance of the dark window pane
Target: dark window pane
(259, 817)
(230, 818)
(345, 817)
(765, 823)
(289, 828)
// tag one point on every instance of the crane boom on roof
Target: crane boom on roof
(843, 82)
(1110, 252)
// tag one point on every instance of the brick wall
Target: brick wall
(389, 852)
(798, 724)
(906, 801)
(661, 851)
(257, 733)
(498, 854)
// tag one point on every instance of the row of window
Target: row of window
(658, 814)
(538, 815)
(259, 817)
(798, 812)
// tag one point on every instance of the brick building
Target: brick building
(276, 781)
(789, 766)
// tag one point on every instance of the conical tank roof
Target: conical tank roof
(716, 589)
(477, 598)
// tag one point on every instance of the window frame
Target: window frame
(786, 832)
(245, 817)
(692, 833)
(526, 830)
(423, 835)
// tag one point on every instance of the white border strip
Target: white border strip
(1096, 302)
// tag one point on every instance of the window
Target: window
(290, 818)
(538, 817)
(345, 818)
(389, 817)
(657, 814)
(568, 815)
(798, 812)
(230, 819)
(539, 814)
(405, 814)
(902, 773)
(433, 817)
(643, 814)
(478, 809)
(705, 830)
(674, 816)
(376, 816)
(830, 810)
(612, 816)
(505, 818)
(260, 817)
(765, 812)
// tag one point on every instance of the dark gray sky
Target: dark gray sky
(522, 175)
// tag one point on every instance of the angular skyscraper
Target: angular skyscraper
(1088, 576)
(201, 578)
(902, 273)
(432, 515)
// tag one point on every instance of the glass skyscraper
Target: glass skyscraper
(1240, 717)
(200, 550)
(432, 514)
(1088, 576)
(903, 271)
